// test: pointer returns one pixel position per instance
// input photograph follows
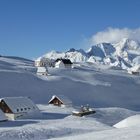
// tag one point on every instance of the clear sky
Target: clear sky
(30, 28)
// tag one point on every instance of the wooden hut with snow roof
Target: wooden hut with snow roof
(60, 100)
(63, 63)
(15, 107)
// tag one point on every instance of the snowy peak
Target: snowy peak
(126, 45)
(123, 54)
(72, 54)
(101, 50)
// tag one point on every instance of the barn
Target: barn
(63, 63)
(2, 116)
(60, 100)
(16, 107)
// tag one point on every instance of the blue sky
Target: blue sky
(30, 28)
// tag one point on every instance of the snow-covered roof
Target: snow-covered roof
(63, 99)
(2, 116)
(65, 61)
(20, 104)
(41, 69)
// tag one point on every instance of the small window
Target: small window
(25, 108)
(17, 110)
(21, 109)
(29, 108)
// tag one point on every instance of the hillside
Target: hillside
(103, 88)
(85, 84)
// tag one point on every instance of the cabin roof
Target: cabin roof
(15, 103)
(65, 61)
(2, 116)
(62, 98)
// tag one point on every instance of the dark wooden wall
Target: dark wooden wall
(4, 107)
(56, 102)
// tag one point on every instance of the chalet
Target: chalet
(40, 63)
(60, 100)
(2, 116)
(63, 63)
(16, 107)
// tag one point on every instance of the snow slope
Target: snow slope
(129, 122)
(85, 84)
(58, 122)
(113, 134)
(106, 90)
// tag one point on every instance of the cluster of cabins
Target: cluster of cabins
(42, 64)
(12, 108)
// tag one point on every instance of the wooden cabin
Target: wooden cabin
(60, 100)
(63, 63)
(16, 107)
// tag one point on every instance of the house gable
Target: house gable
(4, 107)
(56, 101)
(60, 100)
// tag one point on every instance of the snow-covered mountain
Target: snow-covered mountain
(124, 54)
(72, 54)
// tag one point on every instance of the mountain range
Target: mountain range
(124, 54)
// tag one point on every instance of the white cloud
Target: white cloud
(113, 35)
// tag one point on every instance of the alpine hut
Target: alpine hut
(41, 66)
(60, 100)
(63, 63)
(15, 107)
